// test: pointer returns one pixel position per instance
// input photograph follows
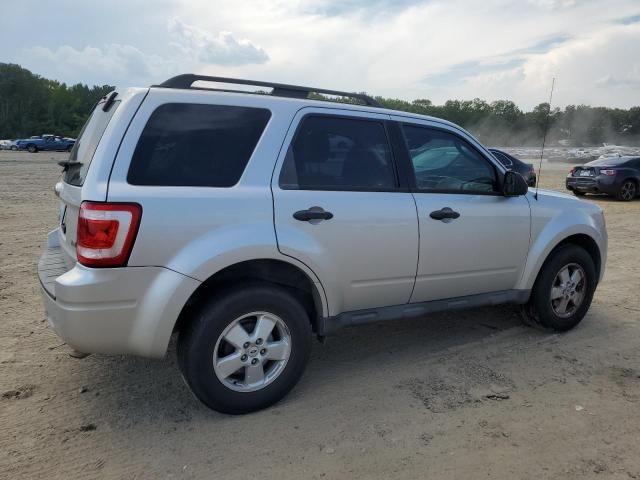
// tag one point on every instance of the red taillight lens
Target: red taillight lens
(106, 233)
(609, 173)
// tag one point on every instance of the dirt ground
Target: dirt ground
(470, 394)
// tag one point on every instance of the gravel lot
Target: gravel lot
(464, 395)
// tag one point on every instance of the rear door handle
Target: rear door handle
(444, 213)
(313, 213)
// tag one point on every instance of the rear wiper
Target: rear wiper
(65, 164)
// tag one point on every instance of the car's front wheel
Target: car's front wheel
(246, 349)
(563, 290)
(578, 193)
(32, 149)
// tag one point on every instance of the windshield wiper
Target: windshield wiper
(65, 164)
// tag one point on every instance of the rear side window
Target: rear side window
(87, 143)
(196, 145)
(337, 153)
(502, 158)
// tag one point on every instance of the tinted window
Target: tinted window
(634, 163)
(87, 143)
(339, 153)
(502, 158)
(445, 162)
(196, 145)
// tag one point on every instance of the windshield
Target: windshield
(87, 143)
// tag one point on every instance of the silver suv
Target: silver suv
(248, 222)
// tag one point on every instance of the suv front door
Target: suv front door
(473, 240)
(340, 209)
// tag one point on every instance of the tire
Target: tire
(32, 148)
(578, 194)
(544, 312)
(204, 341)
(14, 148)
(628, 191)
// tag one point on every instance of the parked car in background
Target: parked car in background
(249, 222)
(615, 176)
(8, 145)
(46, 143)
(512, 163)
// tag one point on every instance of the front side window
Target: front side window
(444, 162)
(337, 153)
(185, 144)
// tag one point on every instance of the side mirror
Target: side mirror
(513, 184)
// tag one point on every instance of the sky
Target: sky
(408, 49)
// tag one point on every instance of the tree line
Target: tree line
(503, 123)
(32, 105)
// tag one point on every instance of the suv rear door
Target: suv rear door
(484, 248)
(340, 208)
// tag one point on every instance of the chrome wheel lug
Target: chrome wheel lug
(263, 351)
(244, 357)
(254, 361)
(246, 345)
(259, 341)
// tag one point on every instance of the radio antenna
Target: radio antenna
(544, 136)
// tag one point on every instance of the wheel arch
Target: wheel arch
(588, 244)
(268, 270)
(581, 239)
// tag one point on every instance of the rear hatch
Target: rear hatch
(75, 171)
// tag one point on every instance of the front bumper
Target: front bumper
(599, 184)
(130, 310)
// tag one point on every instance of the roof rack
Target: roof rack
(279, 89)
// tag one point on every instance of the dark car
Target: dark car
(512, 163)
(616, 176)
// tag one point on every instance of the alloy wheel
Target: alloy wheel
(628, 191)
(252, 351)
(568, 290)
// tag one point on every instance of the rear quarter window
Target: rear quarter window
(87, 143)
(196, 145)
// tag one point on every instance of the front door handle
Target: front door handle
(444, 213)
(313, 213)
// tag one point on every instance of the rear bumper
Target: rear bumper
(129, 310)
(599, 184)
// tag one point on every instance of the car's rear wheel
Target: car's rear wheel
(628, 191)
(563, 290)
(245, 349)
(32, 149)
(578, 193)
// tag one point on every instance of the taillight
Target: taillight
(609, 173)
(106, 233)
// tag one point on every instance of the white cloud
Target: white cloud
(220, 49)
(553, 4)
(110, 64)
(436, 49)
(119, 64)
